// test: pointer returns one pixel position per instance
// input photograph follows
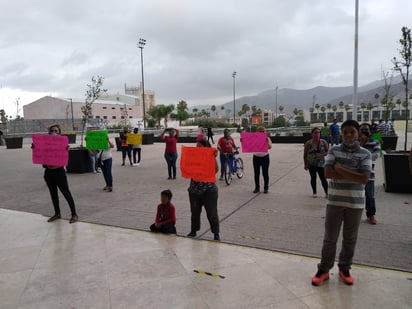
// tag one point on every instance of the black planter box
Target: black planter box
(396, 172)
(148, 139)
(298, 139)
(71, 136)
(389, 142)
(14, 142)
(79, 161)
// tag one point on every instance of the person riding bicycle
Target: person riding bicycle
(226, 146)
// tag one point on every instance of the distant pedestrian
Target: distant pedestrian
(226, 146)
(314, 155)
(324, 132)
(348, 166)
(334, 133)
(55, 177)
(210, 135)
(200, 134)
(137, 149)
(165, 221)
(262, 160)
(381, 128)
(374, 147)
(170, 136)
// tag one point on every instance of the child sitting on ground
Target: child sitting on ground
(166, 215)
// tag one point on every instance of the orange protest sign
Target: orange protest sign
(198, 163)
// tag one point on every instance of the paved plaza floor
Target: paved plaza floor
(109, 260)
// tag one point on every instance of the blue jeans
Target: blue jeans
(171, 159)
(370, 198)
(107, 172)
(231, 163)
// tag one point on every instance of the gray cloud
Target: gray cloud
(194, 46)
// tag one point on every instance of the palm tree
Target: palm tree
(213, 109)
(281, 108)
(341, 105)
(399, 103)
(369, 107)
(195, 110)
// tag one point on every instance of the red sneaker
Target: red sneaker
(346, 277)
(372, 220)
(320, 277)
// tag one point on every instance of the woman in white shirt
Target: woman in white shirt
(106, 166)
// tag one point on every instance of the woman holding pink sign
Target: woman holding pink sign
(262, 160)
(55, 177)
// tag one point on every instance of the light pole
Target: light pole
(141, 44)
(71, 108)
(276, 102)
(234, 97)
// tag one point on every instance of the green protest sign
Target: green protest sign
(97, 139)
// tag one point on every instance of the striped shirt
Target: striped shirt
(374, 148)
(344, 192)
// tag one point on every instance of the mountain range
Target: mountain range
(304, 99)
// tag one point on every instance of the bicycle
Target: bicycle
(236, 167)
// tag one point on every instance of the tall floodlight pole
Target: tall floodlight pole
(234, 97)
(71, 107)
(355, 67)
(141, 44)
(276, 102)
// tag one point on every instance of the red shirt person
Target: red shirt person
(226, 145)
(165, 220)
(171, 150)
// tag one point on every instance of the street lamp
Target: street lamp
(71, 108)
(276, 102)
(234, 97)
(141, 44)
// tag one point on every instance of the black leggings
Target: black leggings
(321, 172)
(261, 162)
(139, 151)
(56, 178)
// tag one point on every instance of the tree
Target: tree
(369, 107)
(399, 103)
(195, 110)
(3, 116)
(341, 105)
(402, 66)
(387, 99)
(182, 113)
(160, 111)
(93, 92)
(213, 109)
(281, 108)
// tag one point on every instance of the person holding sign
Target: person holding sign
(314, 155)
(106, 166)
(137, 149)
(171, 150)
(261, 160)
(125, 147)
(204, 194)
(55, 177)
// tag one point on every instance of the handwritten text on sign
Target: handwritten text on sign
(97, 139)
(198, 163)
(254, 142)
(50, 149)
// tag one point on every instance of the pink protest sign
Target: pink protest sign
(50, 149)
(254, 142)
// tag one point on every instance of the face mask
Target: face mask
(366, 133)
(171, 133)
(316, 136)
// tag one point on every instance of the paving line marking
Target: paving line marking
(251, 237)
(201, 272)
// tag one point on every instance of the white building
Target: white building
(112, 109)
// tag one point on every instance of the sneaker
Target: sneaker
(123, 164)
(105, 188)
(109, 189)
(73, 219)
(220, 178)
(320, 277)
(216, 237)
(192, 234)
(54, 218)
(314, 195)
(266, 191)
(256, 191)
(372, 220)
(346, 277)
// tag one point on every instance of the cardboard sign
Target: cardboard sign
(134, 139)
(97, 139)
(50, 149)
(254, 142)
(198, 163)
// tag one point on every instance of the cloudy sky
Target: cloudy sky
(54, 47)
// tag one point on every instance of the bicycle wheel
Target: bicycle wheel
(239, 170)
(228, 173)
